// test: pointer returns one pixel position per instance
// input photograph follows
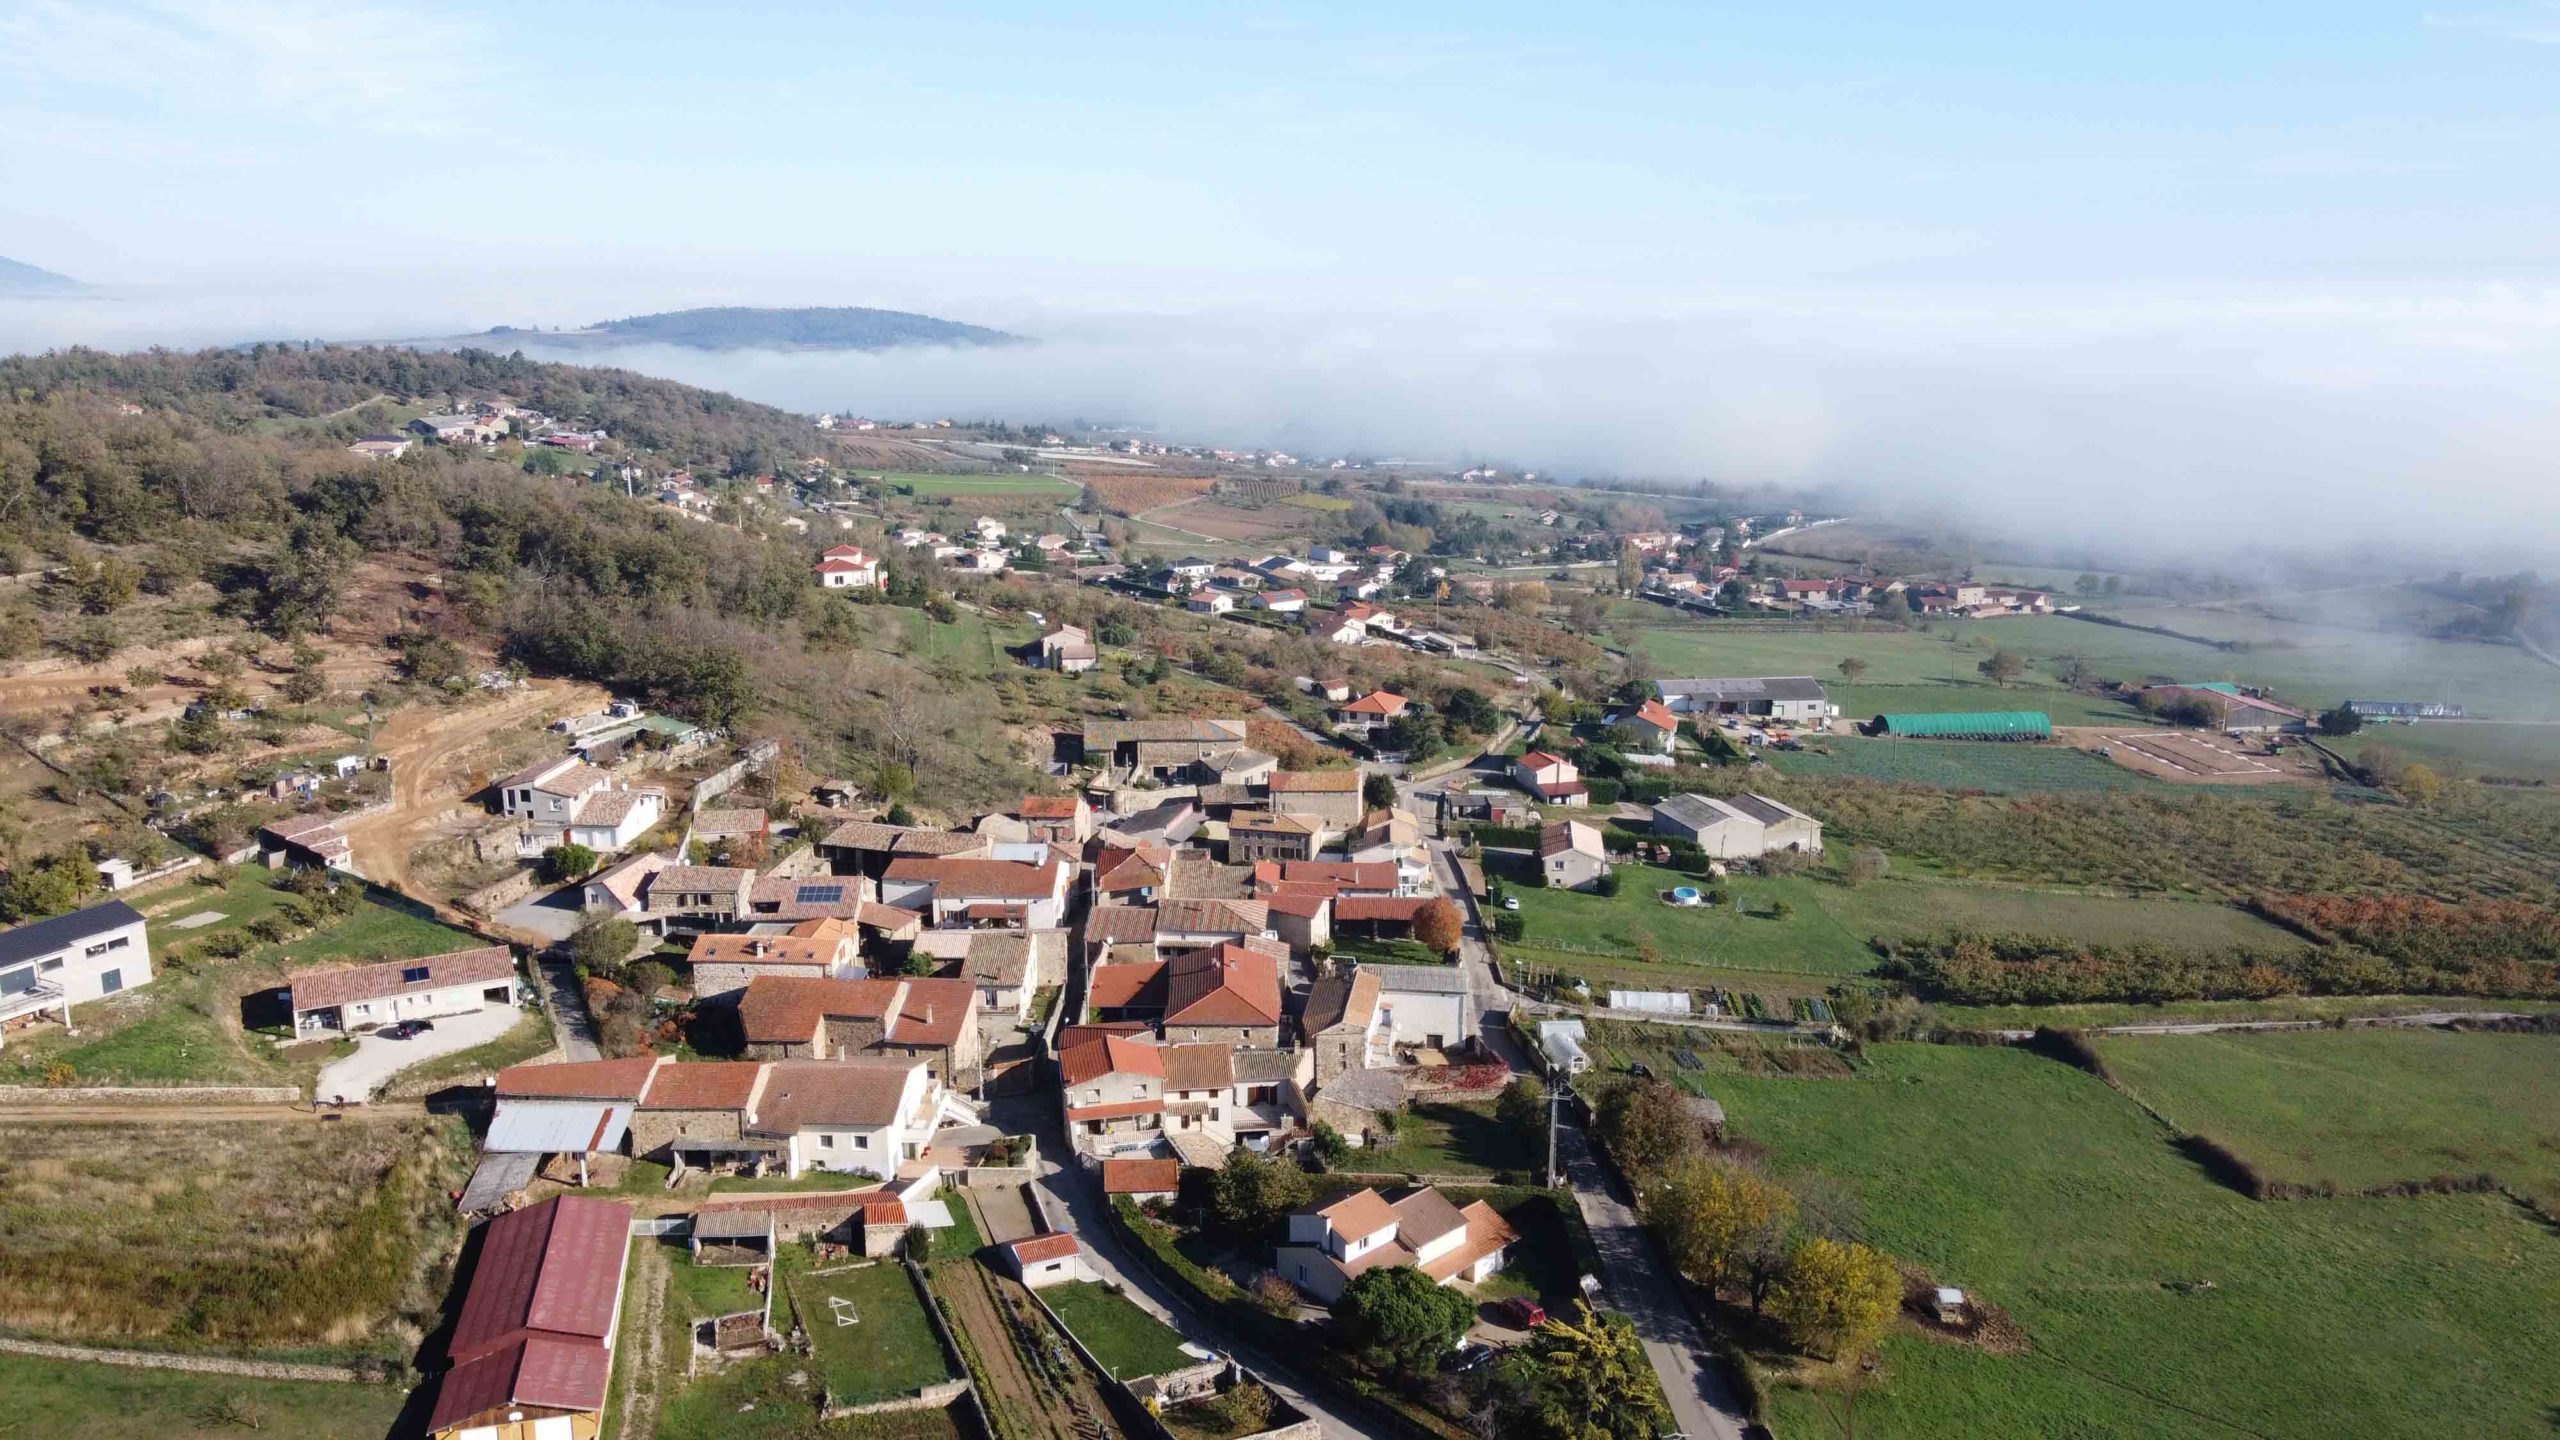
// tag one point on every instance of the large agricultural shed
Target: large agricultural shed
(1968, 725)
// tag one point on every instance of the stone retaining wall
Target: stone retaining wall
(149, 1094)
(202, 1364)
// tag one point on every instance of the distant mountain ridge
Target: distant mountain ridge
(735, 327)
(19, 278)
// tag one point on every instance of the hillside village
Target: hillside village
(820, 937)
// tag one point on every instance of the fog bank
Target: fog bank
(2185, 422)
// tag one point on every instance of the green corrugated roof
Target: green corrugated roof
(1969, 724)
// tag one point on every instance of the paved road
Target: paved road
(377, 1059)
(1640, 1286)
(570, 1021)
(1076, 1199)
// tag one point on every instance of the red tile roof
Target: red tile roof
(1225, 985)
(1140, 1177)
(1377, 702)
(817, 943)
(1091, 1059)
(1048, 807)
(980, 879)
(1039, 1248)
(1379, 907)
(324, 987)
(1119, 987)
(1315, 782)
(579, 1079)
(1373, 875)
(703, 1085)
(1120, 1111)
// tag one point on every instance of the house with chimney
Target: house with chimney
(725, 964)
(933, 1019)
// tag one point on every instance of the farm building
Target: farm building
(1968, 725)
(534, 1345)
(2406, 709)
(1737, 827)
(1777, 697)
(2233, 709)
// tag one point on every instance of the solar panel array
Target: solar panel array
(820, 895)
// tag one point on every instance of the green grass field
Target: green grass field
(698, 1292)
(2002, 769)
(1447, 1138)
(185, 1024)
(2295, 1007)
(2314, 665)
(1008, 485)
(70, 1400)
(2038, 1189)
(1127, 1340)
(1893, 657)
(2361, 1108)
(1831, 923)
(1863, 702)
(2473, 747)
(890, 1350)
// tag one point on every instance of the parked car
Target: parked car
(1521, 1313)
(1510, 902)
(408, 1028)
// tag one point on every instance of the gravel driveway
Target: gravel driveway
(378, 1059)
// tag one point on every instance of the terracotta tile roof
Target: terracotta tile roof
(322, 987)
(703, 1085)
(1657, 715)
(1039, 1249)
(1208, 1066)
(1098, 1055)
(1123, 987)
(1487, 1232)
(1424, 1215)
(1265, 821)
(1539, 760)
(1109, 923)
(936, 1013)
(1212, 917)
(1372, 875)
(779, 1009)
(577, 779)
(1140, 1177)
(1359, 1214)
(1558, 836)
(888, 918)
(1377, 702)
(1119, 1111)
(612, 807)
(1336, 1002)
(998, 957)
(1379, 907)
(816, 943)
(799, 1094)
(716, 879)
(1315, 782)
(1138, 867)
(1225, 985)
(579, 1079)
(981, 879)
(1048, 807)
(720, 824)
(1305, 905)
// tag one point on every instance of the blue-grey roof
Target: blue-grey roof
(549, 1127)
(43, 937)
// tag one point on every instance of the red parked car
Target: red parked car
(1521, 1314)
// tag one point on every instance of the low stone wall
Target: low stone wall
(150, 1094)
(201, 1364)
(931, 1397)
(492, 898)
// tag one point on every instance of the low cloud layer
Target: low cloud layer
(2184, 422)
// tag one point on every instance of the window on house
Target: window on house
(826, 1142)
(98, 949)
(119, 942)
(861, 1142)
(110, 981)
(47, 967)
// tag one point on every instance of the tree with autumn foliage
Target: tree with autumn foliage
(1439, 927)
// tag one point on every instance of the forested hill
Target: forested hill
(220, 482)
(20, 278)
(741, 328)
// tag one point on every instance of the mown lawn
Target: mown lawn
(1998, 767)
(1830, 924)
(1127, 1340)
(69, 1400)
(1443, 1137)
(698, 1292)
(2295, 1007)
(185, 1025)
(2360, 1108)
(2160, 1304)
(890, 1350)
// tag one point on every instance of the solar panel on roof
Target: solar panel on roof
(820, 895)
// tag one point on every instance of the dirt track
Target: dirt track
(431, 750)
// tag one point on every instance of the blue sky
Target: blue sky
(2100, 269)
(1651, 151)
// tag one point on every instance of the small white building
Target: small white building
(1041, 1260)
(51, 965)
(1571, 855)
(846, 567)
(1422, 1004)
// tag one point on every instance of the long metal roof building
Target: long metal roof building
(1969, 725)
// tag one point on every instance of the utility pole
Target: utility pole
(1555, 1099)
